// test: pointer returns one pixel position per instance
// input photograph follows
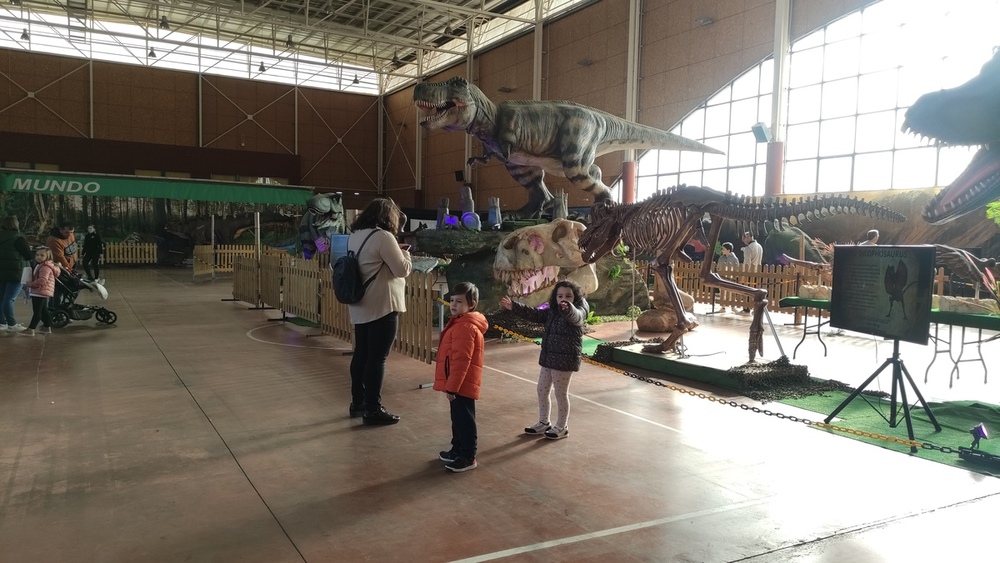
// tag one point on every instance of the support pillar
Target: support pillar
(775, 168)
(628, 181)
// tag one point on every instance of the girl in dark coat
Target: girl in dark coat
(562, 351)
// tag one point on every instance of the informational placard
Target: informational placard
(883, 291)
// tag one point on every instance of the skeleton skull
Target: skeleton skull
(531, 260)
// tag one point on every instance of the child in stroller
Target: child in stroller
(68, 288)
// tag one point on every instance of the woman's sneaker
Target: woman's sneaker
(461, 464)
(16, 328)
(556, 433)
(539, 428)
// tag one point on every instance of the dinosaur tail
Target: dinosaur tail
(623, 135)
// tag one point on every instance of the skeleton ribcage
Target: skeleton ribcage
(650, 230)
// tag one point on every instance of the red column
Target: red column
(775, 165)
(628, 181)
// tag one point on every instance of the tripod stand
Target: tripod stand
(898, 371)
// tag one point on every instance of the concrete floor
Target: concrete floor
(196, 430)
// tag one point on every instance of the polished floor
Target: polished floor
(195, 429)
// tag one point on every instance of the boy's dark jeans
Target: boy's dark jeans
(464, 435)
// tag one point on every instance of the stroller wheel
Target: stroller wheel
(109, 317)
(102, 316)
(59, 318)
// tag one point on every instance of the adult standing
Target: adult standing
(376, 316)
(871, 239)
(753, 252)
(62, 243)
(15, 254)
(93, 249)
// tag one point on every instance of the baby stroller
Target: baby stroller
(68, 288)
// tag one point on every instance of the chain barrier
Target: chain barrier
(961, 452)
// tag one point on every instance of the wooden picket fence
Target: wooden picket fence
(121, 253)
(304, 288)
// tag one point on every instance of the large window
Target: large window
(850, 84)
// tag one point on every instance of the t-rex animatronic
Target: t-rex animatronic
(532, 137)
(966, 115)
(660, 226)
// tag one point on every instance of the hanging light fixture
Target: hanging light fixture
(152, 53)
(448, 30)
(24, 35)
(356, 81)
(288, 42)
(262, 67)
(164, 24)
(395, 58)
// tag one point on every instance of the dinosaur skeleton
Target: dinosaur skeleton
(660, 226)
(532, 137)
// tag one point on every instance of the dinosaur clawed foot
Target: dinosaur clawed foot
(668, 345)
(756, 343)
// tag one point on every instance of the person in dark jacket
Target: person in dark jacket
(562, 351)
(15, 254)
(93, 248)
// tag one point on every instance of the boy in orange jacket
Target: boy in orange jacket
(459, 373)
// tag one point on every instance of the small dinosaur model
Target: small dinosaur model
(324, 216)
(535, 137)
(660, 226)
(966, 115)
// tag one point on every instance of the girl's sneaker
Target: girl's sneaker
(27, 332)
(556, 433)
(539, 428)
(45, 330)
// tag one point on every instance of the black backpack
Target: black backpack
(347, 284)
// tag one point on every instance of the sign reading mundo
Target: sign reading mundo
(60, 183)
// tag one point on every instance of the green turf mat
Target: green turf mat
(956, 419)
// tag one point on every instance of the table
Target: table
(962, 321)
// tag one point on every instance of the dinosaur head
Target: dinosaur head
(604, 233)
(532, 259)
(450, 105)
(965, 115)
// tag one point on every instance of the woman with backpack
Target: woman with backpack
(376, 316)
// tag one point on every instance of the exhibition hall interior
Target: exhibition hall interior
(453, 280)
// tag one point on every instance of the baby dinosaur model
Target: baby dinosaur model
(659, 227)
(532, 137)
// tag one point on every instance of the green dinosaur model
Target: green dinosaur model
(531, 137)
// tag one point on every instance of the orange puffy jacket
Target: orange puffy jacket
(459, 368)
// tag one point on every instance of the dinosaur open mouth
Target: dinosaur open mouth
(434, 112)
(525, 282)
(976, 186)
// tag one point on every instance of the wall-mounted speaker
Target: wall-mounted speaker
(761, 132)
(460, 176)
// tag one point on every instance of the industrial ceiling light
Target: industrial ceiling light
(448, 30)
(395, 58)
(356, 81)
(24, 35)
(152, 53)
(164, 24)
(288, 42)
(262, 67)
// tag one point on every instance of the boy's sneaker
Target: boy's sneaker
(16, 328)
(448, 456)
(461, 464)
(556, 433)
(536, 429)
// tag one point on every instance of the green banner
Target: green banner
(32, 182)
